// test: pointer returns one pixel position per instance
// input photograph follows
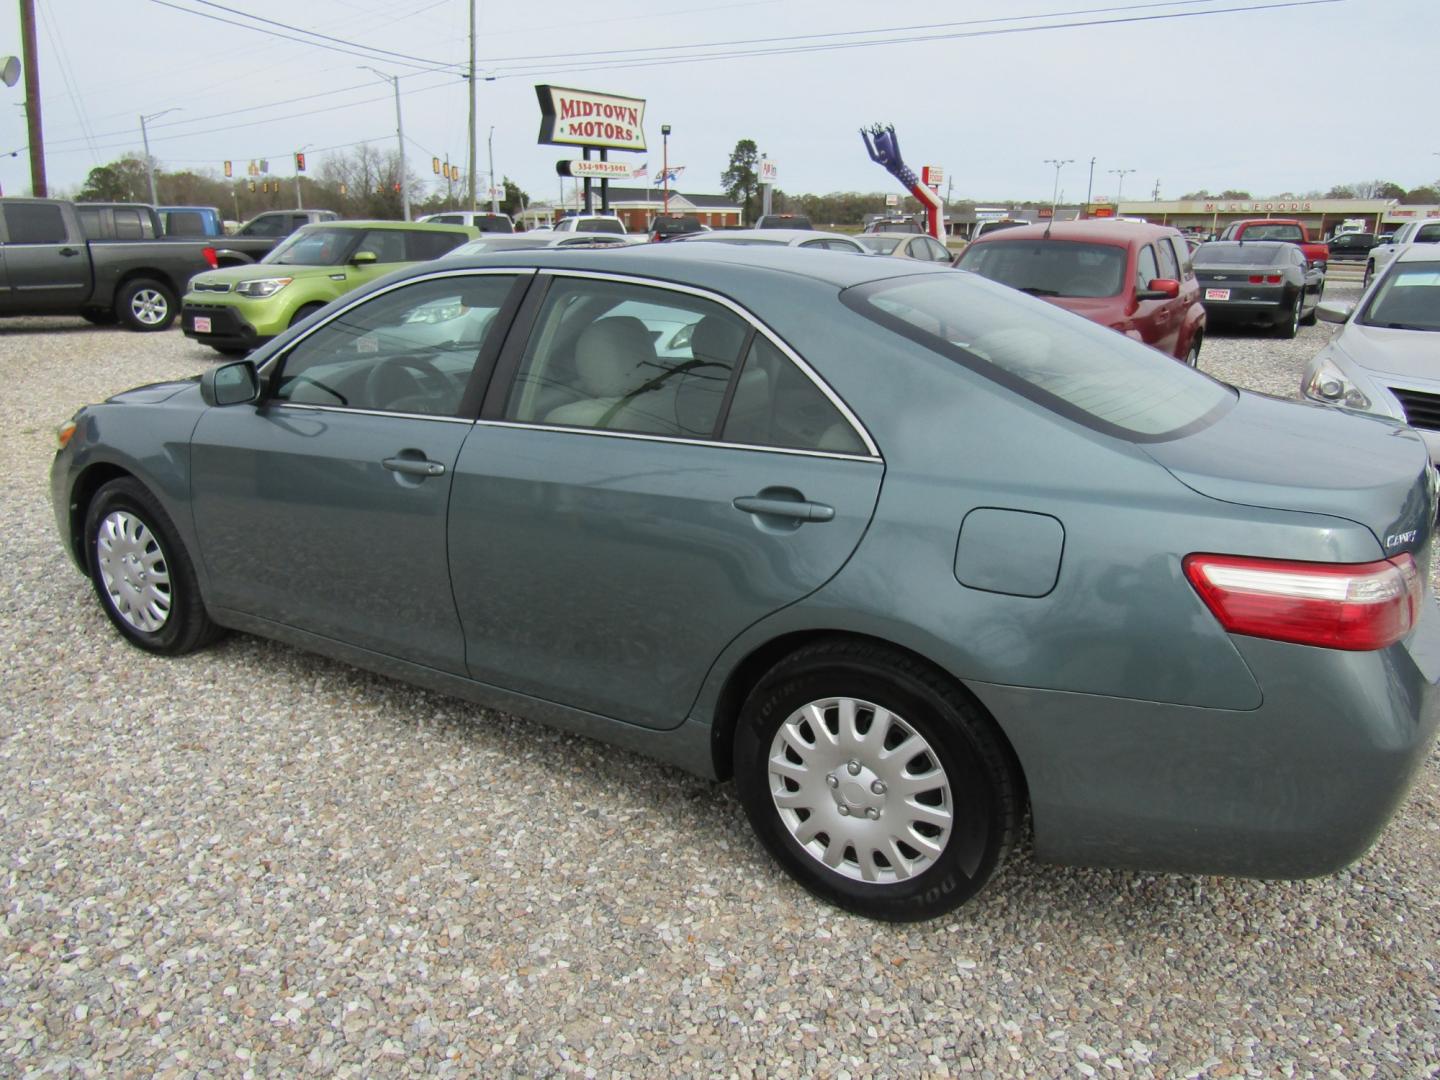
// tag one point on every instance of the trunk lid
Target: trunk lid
(1288, 455)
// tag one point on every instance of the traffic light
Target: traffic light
(252, 185)
(299, 161)
(227, 170)
(435, 164)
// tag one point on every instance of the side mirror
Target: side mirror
(230, 384)
(361, 258)
(1334, 311)
(1160, 288)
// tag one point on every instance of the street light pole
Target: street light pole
(490, 148)
(149, 161)
(394, 80)
(1089, 187)
(1120, 185)
(1059, 164)
(665, 164)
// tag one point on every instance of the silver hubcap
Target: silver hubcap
(134, 571)
(860, 790)
(149, 306)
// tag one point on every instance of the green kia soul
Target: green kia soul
(235, 309)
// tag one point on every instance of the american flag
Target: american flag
(643, 170)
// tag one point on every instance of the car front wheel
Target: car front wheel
(874, 782)
(141, 571)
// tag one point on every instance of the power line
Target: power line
(623, 64)
(302, 41)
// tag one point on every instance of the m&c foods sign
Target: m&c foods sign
(584, 118)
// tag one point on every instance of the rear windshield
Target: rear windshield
(882, 245)
(1067, 364)
(493, 223)
(1273, 232)
(1224, 253)
(1049, 267)
(602, 225)
(1407, 299)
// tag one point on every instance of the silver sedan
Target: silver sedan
(1385, 359)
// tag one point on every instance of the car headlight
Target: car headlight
(1330, 384)
(262, 286)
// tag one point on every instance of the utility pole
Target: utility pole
(494, 199)
(394, 80)
(149, 161)
(32, 99)
(471, 178)
(1155, 195)
(1090, 187)
(1059, 164)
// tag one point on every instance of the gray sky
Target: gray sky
(1287, 99)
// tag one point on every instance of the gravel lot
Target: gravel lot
(255, 862)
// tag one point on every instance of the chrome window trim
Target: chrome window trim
(485, 271)
(760, 327)
(347, 411)
(644, 437)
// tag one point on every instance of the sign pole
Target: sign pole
(604, 185)
(589, 195)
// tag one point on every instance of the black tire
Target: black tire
(185, 625)
(1192, 358)
(1289, 326)
(984, 787)
(1369, 273)
(305, 312)
(95, 317)
(1314, 316)
(146, 305)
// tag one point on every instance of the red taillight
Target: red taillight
(1256, 279)
(210, 258)
(1273, 279)
(1352, 606)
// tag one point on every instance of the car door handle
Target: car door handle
(785, 508)
(67, 251)
(414, 466)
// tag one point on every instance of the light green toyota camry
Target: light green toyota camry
(235, 309)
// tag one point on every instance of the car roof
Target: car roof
(771, 236)
(680, 262)
(425, 226)
(1418, 253)
(1101, 231)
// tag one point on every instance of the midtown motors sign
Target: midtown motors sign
(571, 117)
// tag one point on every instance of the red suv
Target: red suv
(1129, 276)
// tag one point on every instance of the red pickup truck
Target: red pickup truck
(1286, 229)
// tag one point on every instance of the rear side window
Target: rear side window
(1428, 234)
(184, 223)
(1070, 366)
(34, 223)
(1182, 255)
(127, 225)
(1169, 265)
(423, 246)
(270, 225)
(777, 404)
(90, 222)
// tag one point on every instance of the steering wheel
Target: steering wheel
(399, 377)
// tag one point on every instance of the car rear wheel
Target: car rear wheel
(142, 573)
(1289, 325)
(878, 785)
(145, 304)
(1192, 358)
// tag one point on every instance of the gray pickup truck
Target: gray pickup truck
(49, 267)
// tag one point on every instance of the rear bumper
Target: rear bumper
(1248, 308)
(229, 330)
(1300, 786)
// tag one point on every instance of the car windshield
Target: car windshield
(1226, 253)
(1407, 299)
(1071, 366)
(881, 245)
(1049, 267)
(315, 247)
